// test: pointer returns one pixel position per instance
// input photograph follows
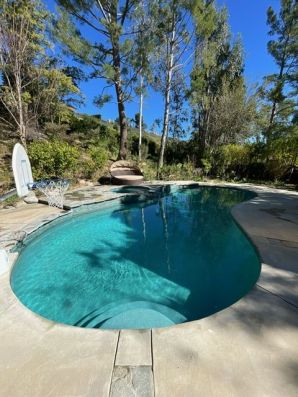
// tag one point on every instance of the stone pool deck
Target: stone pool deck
(249, 349)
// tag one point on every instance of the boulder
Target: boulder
(31, 198)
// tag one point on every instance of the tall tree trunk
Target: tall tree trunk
(21, 122)
(141, 118)
(206, 119)
(273, 109)
(120, 97)
(122, 122)
(166, 118)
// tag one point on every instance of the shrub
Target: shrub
(178, 171)
(206, 163)
(230, 161)
(84, 124)
(177, 151)
(53, 158)
(149, 170)
(282, 154)
(10, 201)
(149, 146)
(54, 130)
(95, 160)
(256, 161)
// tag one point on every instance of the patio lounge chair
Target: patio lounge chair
(126, 173)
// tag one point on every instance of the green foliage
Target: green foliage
(10, 201)
(178, 171)
(91, 130)
(204, 15)
(52, 93)
(84, 124)
(178, 151)
(282, 154)
(255, 161)
(34, 89)
(96, 160)
(228, 160)
(55, 130)
(280, 87)
(207, 166)
(149, 169)
(22, 43)
(216, 78)
(5, 179)
(53, 158)
(108, 50)
(150, 145)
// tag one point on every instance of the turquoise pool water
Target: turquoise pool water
(165, 261)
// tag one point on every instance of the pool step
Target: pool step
(132, 315)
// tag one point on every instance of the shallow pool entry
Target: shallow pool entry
(169, 260)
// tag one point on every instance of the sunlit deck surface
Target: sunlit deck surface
(248, 349)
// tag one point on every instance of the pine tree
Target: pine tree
(218, 66)
(108, 52)
(284, 49)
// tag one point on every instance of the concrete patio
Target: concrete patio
(249, 349)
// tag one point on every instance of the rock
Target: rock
(31, 198)
(82, 182)
(132, 381)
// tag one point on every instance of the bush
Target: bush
(10, 201)
(84, 124)
(230, 161)
(282, 155)
(177, 151)
(54, 130)
(95, 160)
(149, 170)
(53, 158)
(149, 146)
(178, 171)
(255, 161)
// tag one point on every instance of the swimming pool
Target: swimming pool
(168, 260)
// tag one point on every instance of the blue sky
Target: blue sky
(247, 17)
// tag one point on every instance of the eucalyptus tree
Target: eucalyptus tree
(233, 115)
(174, 39)
(22, 41)
(178, 113)
(35, 88)
(142, 54)
(284, 49)
(106, 50)
(218, 66)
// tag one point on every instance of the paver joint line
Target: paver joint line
(111, 379)
(278, 296)
(152, 360)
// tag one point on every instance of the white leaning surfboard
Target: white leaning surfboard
(21, 170)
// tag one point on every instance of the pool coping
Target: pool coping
(147, 336)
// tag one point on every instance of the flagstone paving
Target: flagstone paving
(249, 349)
